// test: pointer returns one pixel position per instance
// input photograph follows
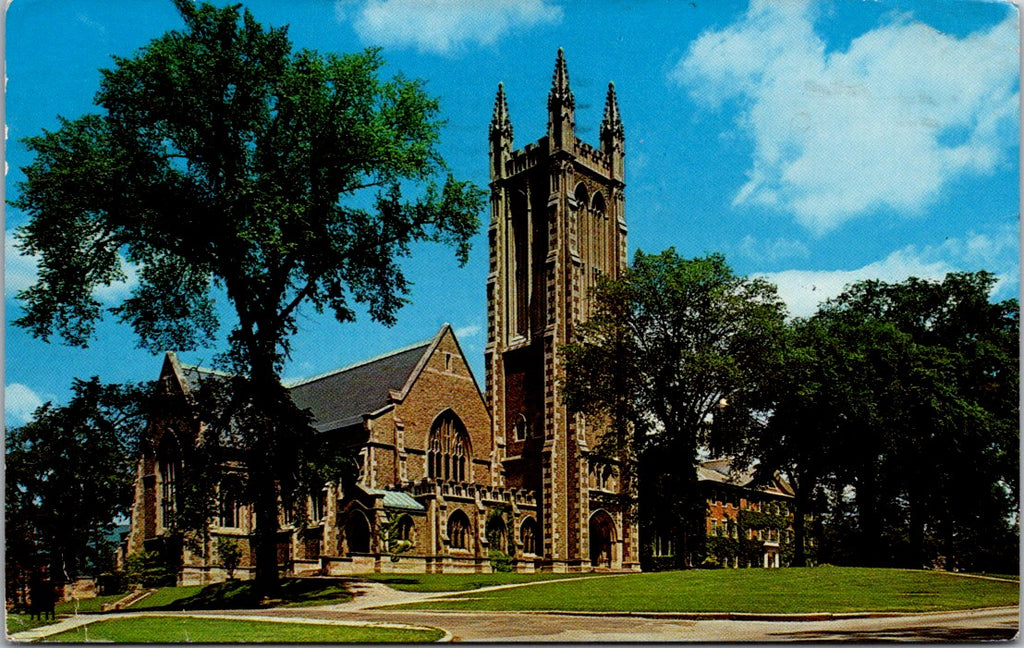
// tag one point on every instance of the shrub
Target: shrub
(230, 554)
(111, 583)
(500, 561)
(148, 569)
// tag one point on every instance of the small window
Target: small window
(318, 505)
(522, 428)
(447, 362)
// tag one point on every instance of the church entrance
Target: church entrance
(602, 536)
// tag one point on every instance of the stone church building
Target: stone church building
(461, 476)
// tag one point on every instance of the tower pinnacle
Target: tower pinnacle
(611, 125)
(501, 125)
(560, 92)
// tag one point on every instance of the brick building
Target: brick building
(746, 526)
(456, 474)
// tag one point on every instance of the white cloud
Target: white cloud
(888, 122)
(766, 251)
(443, 26)
(995, 251)
(19, 269)
(466, 332)
(20, 402)
(20, 272)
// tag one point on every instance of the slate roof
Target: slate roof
(340, 398)
(722, 472)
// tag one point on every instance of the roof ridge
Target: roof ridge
(291, 384)
(200, 368)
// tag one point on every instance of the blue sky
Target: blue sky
(812, 143)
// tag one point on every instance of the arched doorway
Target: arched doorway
(357, 533)
(602, 538)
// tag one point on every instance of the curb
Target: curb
(706, 616)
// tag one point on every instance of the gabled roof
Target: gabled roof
(340, 398)
(343, 397)
(721, 471)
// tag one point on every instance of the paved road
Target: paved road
(981, 625)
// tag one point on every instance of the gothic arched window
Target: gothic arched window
(519, 257)
(528, 536)
(448, 449)
(168, 467)
(458, 530)
(599, 239)
(522, 428)
(228, 502)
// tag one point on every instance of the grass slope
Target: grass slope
(780, 591)
(457, 582)
(195, 630)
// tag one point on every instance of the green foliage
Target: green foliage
(751, 519)
(230, 554)
(501, 561)
(222, 160)
(69, 474)
(676, 356)
(391, 536)
(148, 569)
(904, 395)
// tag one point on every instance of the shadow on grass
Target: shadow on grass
(241, 595)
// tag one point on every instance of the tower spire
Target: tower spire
(560, 92)
(501, 125)
(611, 125)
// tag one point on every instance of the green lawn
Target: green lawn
(197, 630)
(818, 589)
(458, 582)
(22, 622)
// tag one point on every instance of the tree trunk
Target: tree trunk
(800, 509)
(265, 449)
(915, 553)
(867, 510)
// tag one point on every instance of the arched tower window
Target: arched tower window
(600, 238)
(458, 530)
(448, 449)
(519, 255)
(522, 428)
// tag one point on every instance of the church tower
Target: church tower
(557, 223)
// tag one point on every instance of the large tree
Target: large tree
(944, 462)
(69, 474)
(902, 398)
(222, 160)
(675, 356)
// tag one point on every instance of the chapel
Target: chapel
(467, 479)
